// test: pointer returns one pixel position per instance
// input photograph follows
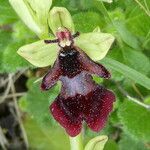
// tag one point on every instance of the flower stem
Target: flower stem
(76, 142)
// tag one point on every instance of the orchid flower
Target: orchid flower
(80, 99)
(72, 57)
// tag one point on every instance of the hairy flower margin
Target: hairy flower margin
(73, 63)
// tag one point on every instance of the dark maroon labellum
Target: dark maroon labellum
(80, 97)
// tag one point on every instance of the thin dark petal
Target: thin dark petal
(51, 77)
(93, 67)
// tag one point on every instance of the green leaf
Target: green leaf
(128, 72)
(111, 145)
(11, 60)
(137, 60)
(129, 38)
(10, 41)
(95, 44)
(147, 100)
(97, 143)
(37, 98)
(135, 120)
(130, 143)
(4, 41)
(87, 21)
(22, 33)
(79, 5)
(7, 14)
(138, 22)
(42, 138)
(39, 53)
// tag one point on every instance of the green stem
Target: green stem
(76, 143)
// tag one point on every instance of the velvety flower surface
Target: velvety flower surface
(80, 99)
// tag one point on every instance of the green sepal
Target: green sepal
(34, 13)
(60, 17)
(95, 44)
(39, 53)
(97, 143)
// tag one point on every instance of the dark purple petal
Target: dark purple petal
(102, 104)
(69, 122)
(94, 108)
(51, 77)
(91, 66)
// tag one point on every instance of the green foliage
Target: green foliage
(92, 20)
(125, 35)
(128, 72)
(9, 43)
(7, 14)
(111, 145)
(135, 120)
(37, 98)
(45, 138)
(128, 142)
(4, 40)
(136, 60)
(11, 60)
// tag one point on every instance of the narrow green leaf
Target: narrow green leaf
(128, 72)
(137, 60)
(129, 38)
